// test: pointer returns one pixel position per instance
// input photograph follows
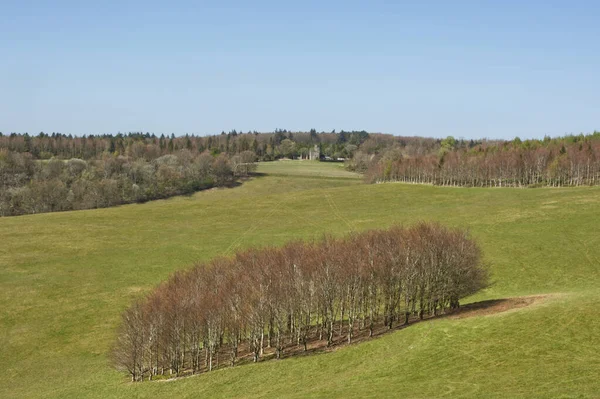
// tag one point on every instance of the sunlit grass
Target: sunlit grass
(66, 277)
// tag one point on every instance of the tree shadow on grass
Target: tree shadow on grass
(315, 346)
(482, 308)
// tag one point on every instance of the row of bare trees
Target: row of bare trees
(302, 292)
(553, 164)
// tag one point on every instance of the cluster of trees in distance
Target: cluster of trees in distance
(32, 186)
(286, 297)
(266, 146)
(53, 172)
(56, 172)
(566, 161)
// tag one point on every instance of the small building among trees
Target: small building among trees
(315, 153)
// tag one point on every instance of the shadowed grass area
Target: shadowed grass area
(66, 277)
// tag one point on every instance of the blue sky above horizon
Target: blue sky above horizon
(471, 69)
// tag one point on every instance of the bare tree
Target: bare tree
(293, 294)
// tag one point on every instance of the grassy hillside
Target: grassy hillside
(66, 277)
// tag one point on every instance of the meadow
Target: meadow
(66, 277)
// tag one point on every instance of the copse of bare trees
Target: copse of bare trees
(287, 297)
(567, 161)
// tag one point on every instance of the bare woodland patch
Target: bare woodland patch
(279, 302)
(572, 161)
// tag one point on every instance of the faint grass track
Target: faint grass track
(336, 211)
(592, 259)
(238, 241)
(279, 206)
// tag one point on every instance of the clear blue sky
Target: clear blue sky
(471, 69)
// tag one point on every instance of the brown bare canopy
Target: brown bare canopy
(277, 297)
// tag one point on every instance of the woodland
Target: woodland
(58, 172)
(568, 161)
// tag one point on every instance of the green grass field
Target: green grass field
(66, 277)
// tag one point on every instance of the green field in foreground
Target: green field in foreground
(66, 277)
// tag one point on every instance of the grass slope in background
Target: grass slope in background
(66, 277)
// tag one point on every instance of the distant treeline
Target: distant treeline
(32, 186)
(55, 172)
(292, 296)
(266, 146)
(564, 161)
